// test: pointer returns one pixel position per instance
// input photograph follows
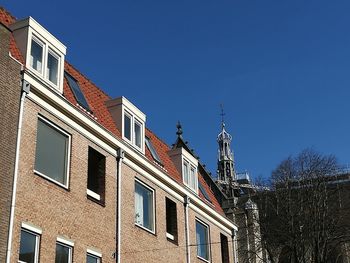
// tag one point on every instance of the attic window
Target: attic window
(189, 173)
(78, 94)
(203, 191)
(152, 150)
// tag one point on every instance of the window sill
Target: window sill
(171, 238)
(51, 180)
(97, 201)
(203, 259)
(146, 229)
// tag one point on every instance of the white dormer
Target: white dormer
(130, 121)
(43, 53)
(187, 165)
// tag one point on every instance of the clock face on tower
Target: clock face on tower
(228, 170)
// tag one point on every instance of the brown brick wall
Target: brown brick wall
(61, 212)
(9, 107)
(138, 245)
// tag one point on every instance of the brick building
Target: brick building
(83, 179)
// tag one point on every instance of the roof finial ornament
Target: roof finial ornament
(222, 114)
(179, 129)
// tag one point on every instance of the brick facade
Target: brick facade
(10, 92)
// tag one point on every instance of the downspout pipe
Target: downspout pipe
(234, 246)
(187, 201)
(120, 157)
(25, 91)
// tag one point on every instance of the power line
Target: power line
(170, 248)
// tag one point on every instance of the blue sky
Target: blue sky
(280, 68)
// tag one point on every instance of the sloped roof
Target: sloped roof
(96, 99)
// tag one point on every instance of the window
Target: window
(29, 247)
(127, 126)
(202, 239)
(224, 249)
(92, 259)
(152, 150)
(96, 174)
(78, 94)
(36, 55)
(144, 206)
(52, 152)
(190, 175)
(171, 219)
(63, 253)
(137, 133)
(52, 67)
(41, 54)
(203, 191)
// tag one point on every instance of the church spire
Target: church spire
(226, 170)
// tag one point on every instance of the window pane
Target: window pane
(92, 259)
(185, 175)
(137, 134)
(27, 247)
(52, 68)
(202, 240)
(143, 206)
(51, 152)
(62, 254)
(36, 55)
(192, 179)
(127, 127)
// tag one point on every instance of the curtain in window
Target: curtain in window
(139, 205)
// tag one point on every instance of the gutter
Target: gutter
(120, 157)
(25, 90)
(187, 231)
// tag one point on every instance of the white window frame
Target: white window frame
(94, 254)
(153, 206)
(35, 232)
(190, 183)
(47, 48)
(66, 243)
(42, 44)
(134, 120)
(55, 55)
(208, 237)
(54, 126)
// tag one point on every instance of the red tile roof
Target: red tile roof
(96, 99)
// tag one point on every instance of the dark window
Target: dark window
(96, 174)
(224, 249)
(204, 192)
(51, 156)
(152, 150)
(127, 126)
(63, 253)
(28, 251)
(79, 96)
(92, 259)
(171, 219)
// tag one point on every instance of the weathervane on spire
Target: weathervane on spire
(222, 114)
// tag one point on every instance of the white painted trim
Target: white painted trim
(93, 194)
(65, 241)
(32, 228)
(113, 143)
(170, 236)
(94, 252)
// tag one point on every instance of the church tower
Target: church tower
(226, 173)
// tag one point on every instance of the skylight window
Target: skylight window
(203, 191)
(152, 150)
(78, 94)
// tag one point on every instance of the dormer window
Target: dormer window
(43, 53)
(189, 175)
(36, 55)
(130, 121)
(187, 165)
